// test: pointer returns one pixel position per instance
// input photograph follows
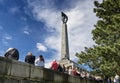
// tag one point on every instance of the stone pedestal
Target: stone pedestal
(68, 63)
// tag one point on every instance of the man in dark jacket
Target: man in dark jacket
(60, 69)
(30, 58)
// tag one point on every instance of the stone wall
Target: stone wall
(12, 71)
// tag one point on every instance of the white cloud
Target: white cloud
(80, 24)
(46, 14)
(48, 63)
(53, 42)
(6, 38)
(26, 30)
(41, 47)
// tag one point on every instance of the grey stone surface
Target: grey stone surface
(36, 72)
(57, 76)
(5, 66)
(20, 69)
(20, 72)
(65, 43)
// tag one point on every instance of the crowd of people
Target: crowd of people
(73, 71)
(13, 53)
(30, 58)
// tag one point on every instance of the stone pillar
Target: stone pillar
(65, 45)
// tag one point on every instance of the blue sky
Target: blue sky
(35, 25)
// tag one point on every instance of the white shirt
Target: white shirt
(39, 63)
(70, 72)
(116, 79)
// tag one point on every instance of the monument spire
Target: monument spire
(65, 58)
(65, 45)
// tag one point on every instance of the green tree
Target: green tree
(104, 57)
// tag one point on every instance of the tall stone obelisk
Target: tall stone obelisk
(65, 58)
(65, 45)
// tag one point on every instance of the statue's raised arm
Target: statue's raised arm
(64, 17)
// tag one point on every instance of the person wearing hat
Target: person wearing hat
(12, 53)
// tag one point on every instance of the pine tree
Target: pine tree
(104, 57)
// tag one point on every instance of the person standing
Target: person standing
(54, 65)
(109, 80)
(60, 69)
(30, 58)
(74, 71)
(40, 61)
(116, 79)
(64, 68)
(70, 71)
(12, 53)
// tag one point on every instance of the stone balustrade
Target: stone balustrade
(13, 71)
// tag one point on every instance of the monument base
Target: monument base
(69, 63)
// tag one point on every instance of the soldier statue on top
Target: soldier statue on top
(64, 17)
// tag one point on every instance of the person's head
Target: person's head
(41, 58)
(58, 63)
(70, 67)
(74, 68)
(54, 60)
(29, 53)
(63, 66)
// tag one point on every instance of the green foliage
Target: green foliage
(104, 57)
